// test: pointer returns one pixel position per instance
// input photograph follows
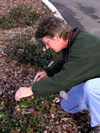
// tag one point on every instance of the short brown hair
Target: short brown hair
(50, 26)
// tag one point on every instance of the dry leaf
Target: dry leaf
(35, 115)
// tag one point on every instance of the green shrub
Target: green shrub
(19, 16)
(26, 51)
(30, 114)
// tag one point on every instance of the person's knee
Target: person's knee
(65, 107)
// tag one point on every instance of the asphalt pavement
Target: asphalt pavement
(82, 13)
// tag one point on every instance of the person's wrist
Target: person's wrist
(31, 89)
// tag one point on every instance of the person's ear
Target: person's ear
(56, 37)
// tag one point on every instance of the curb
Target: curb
(53, 9)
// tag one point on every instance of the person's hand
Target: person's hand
(40, 75)
(23, 92)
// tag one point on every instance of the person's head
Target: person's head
(54, 32)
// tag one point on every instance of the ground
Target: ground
(14, 75)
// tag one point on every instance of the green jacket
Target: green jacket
(80, 62)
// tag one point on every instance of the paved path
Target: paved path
(83, 13)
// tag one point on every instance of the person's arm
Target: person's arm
(79, 68)
(57, 65)
(27, 91)
(54, 68)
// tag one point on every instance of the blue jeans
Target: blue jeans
(82, 96)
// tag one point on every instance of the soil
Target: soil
(14, 75)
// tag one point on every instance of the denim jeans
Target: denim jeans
(82, 96)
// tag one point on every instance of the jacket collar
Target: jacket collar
(76, 32)
(65, 51)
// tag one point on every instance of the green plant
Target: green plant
(26, 51)
(22, 16)
(36, 110)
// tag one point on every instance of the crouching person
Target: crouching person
(79, 69)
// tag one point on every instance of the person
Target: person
(79, 68)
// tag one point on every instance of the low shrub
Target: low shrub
(28, 115)
(25, 51)
(20, 16)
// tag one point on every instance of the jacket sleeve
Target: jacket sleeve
(79, 68)
(54, 68)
